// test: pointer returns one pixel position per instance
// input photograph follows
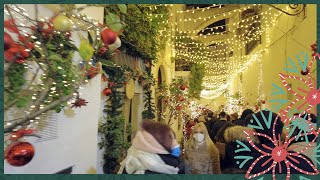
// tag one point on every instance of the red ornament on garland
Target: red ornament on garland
(79, 103)
(183, 87)
(20, 133)
(181, 98)
(16, 53)
(107, 91)
(314, 49)
(104, 78)
(112, 84)
(19, 153)
(178, 108)
(102, 50)
(148, 64)
(7, 41)
(108, 36)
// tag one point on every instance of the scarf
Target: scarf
(138, 161)
(144, 141)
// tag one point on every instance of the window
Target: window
(250, 29)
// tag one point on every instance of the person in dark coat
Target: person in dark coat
(154, 150)
(241, 121)
(218, 125)
(210, 120)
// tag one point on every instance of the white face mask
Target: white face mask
(198, 137)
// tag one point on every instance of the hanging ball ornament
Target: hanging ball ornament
(108, 36)
(181, 98)
(7, 41)
(115, 45)
(107, 91)
(62, 23)
(178, 108)
(19, 153)
(183, 87)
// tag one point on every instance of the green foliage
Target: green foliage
(113, 128)
(112, 139)
(61, 69)
(147, 81)
(149, 112)
(113, 22)
(195, 83)
(141, 34)
(16, 80)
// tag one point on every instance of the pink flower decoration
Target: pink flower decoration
(306, 96)
(279, 154)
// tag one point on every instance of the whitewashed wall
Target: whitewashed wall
(76, 144)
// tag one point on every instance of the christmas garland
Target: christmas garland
(197, 75)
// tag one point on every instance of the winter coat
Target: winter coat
(220, 134)
(216, 127)
(232, 134)
(200, 160)
(147, 156)
(210, 123)
(239, 122)
(141, 162)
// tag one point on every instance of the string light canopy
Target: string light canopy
(221, 44)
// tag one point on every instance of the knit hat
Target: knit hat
(245, 113)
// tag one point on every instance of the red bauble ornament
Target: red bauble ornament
(108, 36)
(183, 87)
(178, 108)
(107, 91)
(7, 41)
(257, 108)
(314, 47)
(305, 72)
(263, 101)
(19, 153)
(181, 98)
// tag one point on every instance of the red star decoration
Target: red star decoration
(79, 102)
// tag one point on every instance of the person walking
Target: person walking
(202, 156)
(154, 150)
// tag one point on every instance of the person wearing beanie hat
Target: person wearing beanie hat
(202, 155)
(241, 120)
(154, 150)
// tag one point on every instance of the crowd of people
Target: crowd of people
(211, 147)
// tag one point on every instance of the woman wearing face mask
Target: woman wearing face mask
(202, 156)
(154, 150)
